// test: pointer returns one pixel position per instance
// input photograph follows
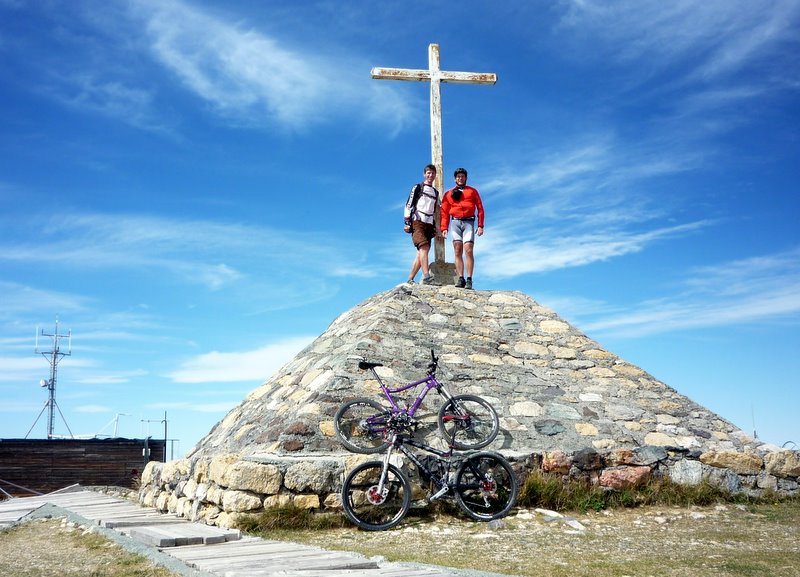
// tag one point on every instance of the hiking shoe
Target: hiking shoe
(461, 283)
(468, 284)
(410, 281)
(427, 279)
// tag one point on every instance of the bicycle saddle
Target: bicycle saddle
(368, 365)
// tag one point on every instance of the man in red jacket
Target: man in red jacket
(459, 206)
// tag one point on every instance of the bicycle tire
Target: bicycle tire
(468, 422)
(370, 510)
(353, 430)
(485, 486)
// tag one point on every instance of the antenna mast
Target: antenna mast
(53, 357)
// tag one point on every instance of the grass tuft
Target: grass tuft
(289, 518)
(552, 492)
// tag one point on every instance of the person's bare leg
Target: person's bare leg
(468, 247)
(414, 267)
(422, 255)
(458, 252)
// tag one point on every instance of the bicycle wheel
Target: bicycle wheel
(468, 422)
(373, 508)
(360, 425)
(486, 487)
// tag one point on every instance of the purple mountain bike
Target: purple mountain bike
(467, 422)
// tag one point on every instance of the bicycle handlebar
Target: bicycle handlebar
(432, 366)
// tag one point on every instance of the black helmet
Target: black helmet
(460, 171)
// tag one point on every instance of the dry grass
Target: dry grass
(54, 548)
(661, 529)
(724, 540)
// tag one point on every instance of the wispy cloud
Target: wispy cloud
(718, 36)
(208, 253)
(94, 92)
(507, 256)
(93, 409)
(19, 299)
(248, 76)
(738, 292)
(247, 366)
(125, 60)
(585, 203)
(15, 369)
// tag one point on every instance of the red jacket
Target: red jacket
(465, 207)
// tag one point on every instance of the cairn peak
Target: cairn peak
(554, 388)
(566, 405)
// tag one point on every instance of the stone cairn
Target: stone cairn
(566, 406)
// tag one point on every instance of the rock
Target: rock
(588, 460)
(624, 477)
(238, 501)
(556, 462)
(549, 427)
(306, 501)
(586, 429)
(249, 476)
(660, 440)
(742, 463)
(783, 464)
(686, 472)
(308, 476)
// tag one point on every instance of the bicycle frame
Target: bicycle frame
(430, 383)
(399, 442)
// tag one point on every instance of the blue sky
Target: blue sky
(197, 189)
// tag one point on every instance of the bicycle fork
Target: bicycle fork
(377, 493)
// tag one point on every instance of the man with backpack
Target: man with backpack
(459, 207)
(418, 219)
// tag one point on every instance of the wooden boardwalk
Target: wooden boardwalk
(203, 549)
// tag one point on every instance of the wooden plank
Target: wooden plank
(213, 550)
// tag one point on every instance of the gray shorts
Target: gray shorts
(462, 229)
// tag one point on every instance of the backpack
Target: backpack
(417, 191)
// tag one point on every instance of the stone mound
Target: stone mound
(554, 388)
(566, 405)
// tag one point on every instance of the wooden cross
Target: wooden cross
(435, 76)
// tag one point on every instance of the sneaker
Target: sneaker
(410, 281)
(468, 284)
(461, 283)
(427, 279)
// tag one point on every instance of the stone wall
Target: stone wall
(224, 489)
(565, 404)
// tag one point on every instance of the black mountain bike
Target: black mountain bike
(377, 495)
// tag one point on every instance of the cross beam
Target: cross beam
(435, 76)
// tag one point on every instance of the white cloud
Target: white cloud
(252, 366)
(505, 257)
(745, 291)
(718, 36)
(249, 76)
(23, 370)
(190, 250)
(19, 299)
(93, 409)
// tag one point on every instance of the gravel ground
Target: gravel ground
(720, 541)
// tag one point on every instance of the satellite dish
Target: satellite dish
(42, 383)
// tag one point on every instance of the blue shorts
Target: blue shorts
(462, 229)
